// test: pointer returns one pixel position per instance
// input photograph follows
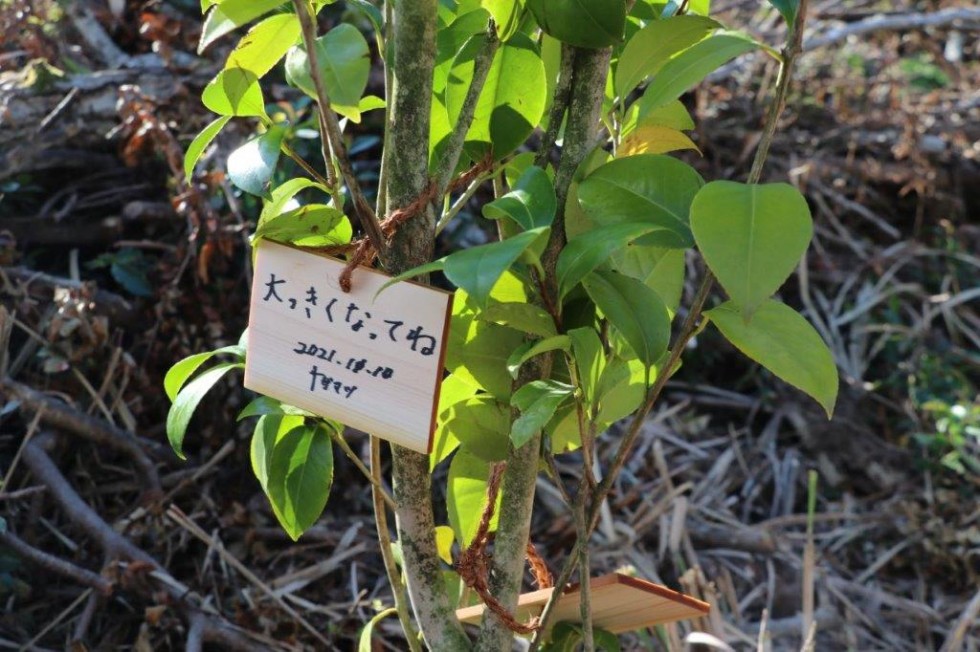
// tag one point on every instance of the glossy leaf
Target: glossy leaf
(649, 49)
(466, 496)
(269, 429)
(477, 351)
(586, 252)
(583, 23)
(263, 405)
(525, 317)
(345, 64)
(537, 402)
(590, 361)
(782, 341)
(506, 14)
(636, 311)
(251, 166)
(300, 475)
(234, 92)
(228, 15)
(788, 9)
(187, 401)
(201, 142)
(530, 204)
(661, 269)
(691, 66)
(480, 424)
(751, 236)
(178, 374)
(265, 44)
(645, 188)
(477, 270)
(313, 225)
(281, 196)
(532, 349)
(654, 139)
(512, 100)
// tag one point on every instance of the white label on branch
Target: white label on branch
(372, 363)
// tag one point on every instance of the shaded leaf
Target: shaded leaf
(582, 23)
(269, 429)
(531, 349)
(187, 401)
(586, 252)
(480, 424)
(647, 188)
(466, 496)
(636, 311)
(590, 361)
(525, 317)
(537, 402)
(530, 204)
(251, 166)
(345, 64)
(477, 270)
(364, 640)
(477, 351)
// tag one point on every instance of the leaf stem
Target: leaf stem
(331, 133)
(352, 456)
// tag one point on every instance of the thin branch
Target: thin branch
(56, 564)
(559, 104)
(61, 415)
(384, 541)
(454, 148)
(332, 133)
(689, 328)
(309, 169)
(352, 456)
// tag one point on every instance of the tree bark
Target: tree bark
(412, 245)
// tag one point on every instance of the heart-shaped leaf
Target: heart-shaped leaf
(751, 236)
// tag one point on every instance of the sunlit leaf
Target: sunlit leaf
(187, 401)
(345, 64)
(649, 49)
(300, 476)
(201, 142)
(654, 139)
(228, 15)
(234, 92)
(537, 402)
(265, 44)
(466, 495)
(530, 204)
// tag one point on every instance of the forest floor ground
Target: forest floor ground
(112, 272)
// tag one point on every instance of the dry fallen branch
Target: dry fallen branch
(56, 564)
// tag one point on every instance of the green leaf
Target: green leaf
(782, 341)
(466, 496)
(636, 311)
(653, 46)
(480, 424)
(313, 225)
(477, 270)
(622, 388)
(512, 100)
(661, 269)
(694, 64)
(187, 401)
(364, 641)
(586, 252)
(506, 14)
(649, 188)
(590, 361)
(230, 14)
(525, 317)
(530, 204)
(265, 44)
(178, 374)
(583, 23)
(788, 8)
(453, 390)
(234, 92)
(477, 351)
(300, 475)
(532, 349)
(201, 142)
(751, 236)
(345, 64)
(251, 166)
(537, 400)
(269, 429)
(450, 40)
(263, 405)
(281, 195)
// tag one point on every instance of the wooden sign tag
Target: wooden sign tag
(620, 603)
(372, 363)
